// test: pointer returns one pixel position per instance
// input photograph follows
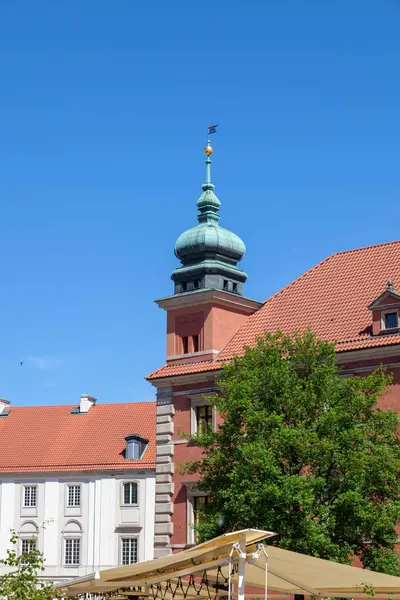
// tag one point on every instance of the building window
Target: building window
(199, 505)
(135, 447)
(27, 545)
(74, 496)
(226, 284)
(391, 320)
(184, 286)
(195, 340)
(185, 345)
(129, 551)
(196, 284)
(130, 493)
(72, 551)
(204, 418)
(234, 288)
(30, 496)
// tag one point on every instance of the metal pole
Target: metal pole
(241, 567)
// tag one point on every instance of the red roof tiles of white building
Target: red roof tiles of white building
(50, 438)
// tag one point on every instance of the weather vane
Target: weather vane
(208, 149)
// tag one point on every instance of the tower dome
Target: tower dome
(209, 253)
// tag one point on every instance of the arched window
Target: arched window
(72, 543)
(130, 493)
(28, 535)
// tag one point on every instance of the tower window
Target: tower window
(226, 283)
(234, 288)
(184, 286)
(391, 320)
(196, 284)
(185, 344)
(195, 339)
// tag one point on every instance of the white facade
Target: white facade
(92, 507)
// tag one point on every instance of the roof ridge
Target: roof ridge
(76, 404)
(366, 247)
(294, 282)
(324, 261)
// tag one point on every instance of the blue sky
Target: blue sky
(103, 114)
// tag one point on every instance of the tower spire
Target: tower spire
(208, 204)
(209, 253)
(208, 152)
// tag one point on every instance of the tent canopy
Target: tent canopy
(203, 571)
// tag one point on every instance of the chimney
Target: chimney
(4, 404)
(86, 403)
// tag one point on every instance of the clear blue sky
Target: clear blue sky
(103, 114)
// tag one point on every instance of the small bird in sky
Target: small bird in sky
(21, 363)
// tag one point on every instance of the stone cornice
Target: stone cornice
(205, 296)
(350, 356)
(367, 353)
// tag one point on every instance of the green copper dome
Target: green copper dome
(209, 237)
(209, 253)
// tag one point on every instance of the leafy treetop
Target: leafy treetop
(304, 452)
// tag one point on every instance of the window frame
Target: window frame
(196, 402)
(185, 344)
(192, 493)
(29, 510)
(73, 537)
(122, 501)
(383, 319)
(207, 419)
(32, 487)
(30, 540)
(123, 538)
(69, 486)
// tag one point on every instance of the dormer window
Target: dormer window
(385, 311)
(391, 320)
(135, 447)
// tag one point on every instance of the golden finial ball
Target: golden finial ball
(208, 150)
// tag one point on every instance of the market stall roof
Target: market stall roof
(288, 573)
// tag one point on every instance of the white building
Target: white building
(81, 481)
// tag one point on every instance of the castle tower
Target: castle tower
(204, 313)
(207, 306)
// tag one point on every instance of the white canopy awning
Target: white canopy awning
(288, 573)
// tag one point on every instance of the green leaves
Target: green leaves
(23, 581)
(304, 452)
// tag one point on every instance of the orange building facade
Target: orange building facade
(350, 298)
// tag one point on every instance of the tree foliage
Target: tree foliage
(304, 452)
(23, 582)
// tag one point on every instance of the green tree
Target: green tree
(23, 582)
(304, 452)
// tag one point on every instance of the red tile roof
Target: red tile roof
(331, 299)
(50, 438)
